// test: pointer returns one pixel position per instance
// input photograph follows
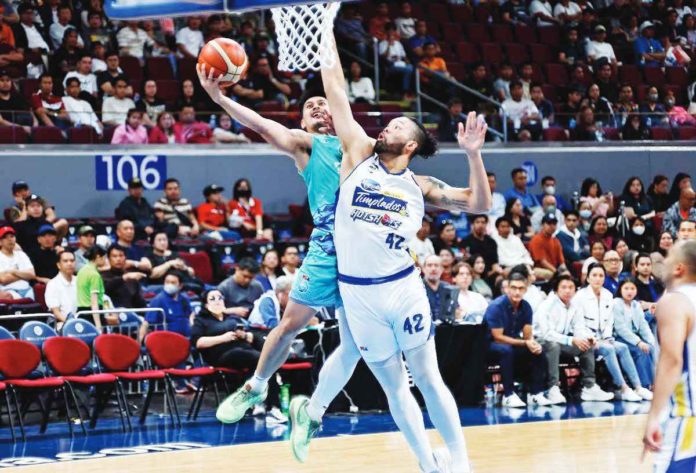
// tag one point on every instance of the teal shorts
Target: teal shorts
(316, 282)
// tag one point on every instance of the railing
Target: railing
(374, 66)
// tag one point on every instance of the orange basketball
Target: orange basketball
(225, 57)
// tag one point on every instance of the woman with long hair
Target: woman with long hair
(664, 244)
(521, 225)
(599, 231)
(470, 303)
(246, 212)
(659, 193)
(591, 191)
(447, 259)
(479, 284)
(636, 202)
(269, 272)
(163, 131)
(597, 251)
(446, 237)
(595, 303)
(681, 181)
(639, 238)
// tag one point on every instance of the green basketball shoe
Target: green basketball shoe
(233, 408)
(303, 428)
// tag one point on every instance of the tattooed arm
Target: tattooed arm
(476, 198)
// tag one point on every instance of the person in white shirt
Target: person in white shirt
(511, 250)
(359, 88)
(290, 261)
(88, 81)
(132, 40)
(560, 328)
(392, 51)
(471, 305)
(548, 205)
(80, 111)
(522, 113)
(599, 48)
(35, 41)
(422, 246)
(57, 29)
(189, 40)
(595, 305)
(16, 269)
(61, 291)
(567, 12)
(115, 108)
(405, 23)
(498, 206)
(543, 13)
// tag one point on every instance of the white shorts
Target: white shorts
(678, 452)
(389, 317)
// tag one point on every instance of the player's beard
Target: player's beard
(382, 147)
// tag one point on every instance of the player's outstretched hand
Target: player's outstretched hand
(209, 84)
(472, 136)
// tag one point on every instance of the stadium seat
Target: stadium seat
(677, 76)
(502, 33)
(40, 294)
(159, 68)
(525, 34)
(654, 76)
(452, 32)
(540, 53)
(467, 53)
(438, 12)
(78, 328)
(550, 35)
(492, 53)
(434, 29)
(555, 134)
(131, 67)
(186, 67)
(367, 120)
(28, 87)
(47, 135)
(482, 14)
(612, 134)
(556, 74)
(13, 135)
(550, 92)
(200, 262)
(516, 53)
(458, 70)
(168, 90)
(36, 333)
(83, 135)
(538, 74)
(108, 134)
(6, 334)
(687, 133)
(630, 74)
(477, 33)
(661, 134)
(252, 135)
(462, 14)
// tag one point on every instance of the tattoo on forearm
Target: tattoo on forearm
(448, 203)
(437, 182)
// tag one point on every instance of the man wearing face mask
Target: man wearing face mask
(585, 214)
(652, 111)
(548, 185)
(548, 206)
(575, 245)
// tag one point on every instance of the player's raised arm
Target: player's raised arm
(476, 198)
(355, 142)
(294, 143)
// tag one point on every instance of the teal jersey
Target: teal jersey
(321, 175)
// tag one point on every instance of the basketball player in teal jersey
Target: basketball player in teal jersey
(317, 155)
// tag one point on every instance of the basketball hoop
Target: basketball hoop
(300, 29)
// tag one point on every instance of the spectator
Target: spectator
(526, 73)
(567, 12)
(546, 250)
(637, 239)
(175, 304)
(569, 110)
(405, 23)
(447, 236)
(501, 86)
(224, 132)
(246, 212)
(548, 206)
(677, 115)
(447, 259)
(597, 252)
(595, 304)
(88, 81)
(188, 130)
(680, 182)
(471, 306)
(98, 58)
(241, 289)
(27, 35)
(121, 285)
(137, 210)
(572, 52)
(522, 113)
(664, 244)
(687, 230)
(560, 327)
(585, 214)
(575, 245)
(58, 29)
(498, 206)
(396, 60)
(135, 254)
(442, 296)
(164, 260)
(48, 13)
(422, 246)
(149, 104)
(90, 287)
(268, 309)
(96, 33)
(30, 220)
(637, 203)
(48, 108)
(189, 40)
(67, 57)
(649, 51)
(649, 289)
(681, 10)
(212, 215)
(262, 48)
(688, 29)
(163, 132)
(479, 285)
(600, 106)
(222, 341)
(132, 40)
(132, 132)
(350, 31)
(61, 291)
(177, 210)
(246, 35)
(379, 20)
(45, 257)
(290, 261)
(417, 42)
(21, 192)
(652, 111)
(541, 11)
(591, 192)
(586, 128)
(633, 330)
(460, 222)
(106, 80)
(509, 318)
(268, 273)
(548, 185)
(359, 88)
(681, 210)
(478, 243)
(599, 231)
(115, 108)
(86, 237)
(14, 109)
(449, 124)
(545, 107)
(521, 226)
(608, 88)
(520, 191)
(515, 12)
(625, 105)
(261, 85)
(16, 269)
(635, 129)
(431, 82)
(481, 83)
(511, 250)
(625, 253)
(598, 48)
(80, 112)
(612, 266)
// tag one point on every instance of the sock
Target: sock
(257, 384)
(314, 411)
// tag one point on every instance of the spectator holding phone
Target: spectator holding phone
(241, 289)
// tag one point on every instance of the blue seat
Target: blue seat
(6, 334)
(78, 328)
(36, 333)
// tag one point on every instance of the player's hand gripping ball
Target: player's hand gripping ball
(225, 59)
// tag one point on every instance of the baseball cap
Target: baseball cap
(212, 189)
(19, 185)
(85, 229)
(44, 229)
(646, 24)
(135, 183)
(5, 230)
(600, 28)
(33, 198)
(549, 218)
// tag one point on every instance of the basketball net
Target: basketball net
(299, 29)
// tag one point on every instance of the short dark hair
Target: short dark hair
(315, 91)
(490, 174)
(46, 74)
(66, 251)
(427, 144)
(516, 171)
(113, 248)
(248, 264)
(473, 218)
(170, 180)
(177, 274)
(94, 252)
(429, 43)
(64, 6)
(154, 235)
(454, 101)
(596, 266)
(628, 280)
(641, 255)
(572, 212)
(560, 278)
(117, 80)
(70, 80)
(547, 178)
(535, 85)
(520, 269)
(515, 83)
(132, 111)
(517, 276)
(502, 219)
(110, 53)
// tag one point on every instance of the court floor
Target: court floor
(588, 437)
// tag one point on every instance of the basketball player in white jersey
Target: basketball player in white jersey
(674, 440)
(379, 209)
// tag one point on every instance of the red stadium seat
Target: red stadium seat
(612, 134)
(468, 53)
(40, 294)
(13, 135)
(477, 33)
(83, 135)
(108, 134)
(482, 14)
(525, 34)
(131, 67)
(687, 133)
(492, 53)
(252, 135)
(541, 53)
(28, 87)
(462, 14)
(555, 134)
(200, 262)
(654, 76)
(361, 107)
(630, 74)
(537, 74)
(47, 135)
(550, 92)
(502, 33)
(557, 74)
(453, 32)
(434, 29)
(438, 12)
(550, 35)
(677, 76)
(187, 69)
(661, 134)
(516, 53)
(159, 68)
(168, 90)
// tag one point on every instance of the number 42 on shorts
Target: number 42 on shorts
(413, 324)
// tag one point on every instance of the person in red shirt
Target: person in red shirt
(212, 215)
(379, 21)
(188, 130)
(546, 249)
(246, 212)
(49, 109)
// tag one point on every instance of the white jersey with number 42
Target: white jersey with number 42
(377, 214)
